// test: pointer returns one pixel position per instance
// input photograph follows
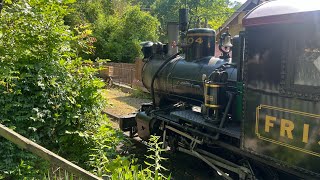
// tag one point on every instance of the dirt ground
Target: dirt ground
(120, 103)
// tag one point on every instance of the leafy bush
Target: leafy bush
(51, 96)
(47, 94)
(104, 151)
(127, 168)
(118, 28)
(135, 26)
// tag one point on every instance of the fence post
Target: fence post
(131, 77)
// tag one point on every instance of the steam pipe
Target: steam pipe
(231, 96)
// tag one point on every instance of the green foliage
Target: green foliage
(117, 27)
(139, 93)
(217, 11)
(47, 94)
(155, 167)
(52, 97)
(20, 164)
(135, 26)
(104, 151)
(126, 169)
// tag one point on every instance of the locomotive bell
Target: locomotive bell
(225, 44)
(227, 41)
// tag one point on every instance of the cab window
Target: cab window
(263, 58)
(302, 59)
(307, 64)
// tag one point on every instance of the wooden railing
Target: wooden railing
(57, 161)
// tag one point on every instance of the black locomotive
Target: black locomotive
(255, 115)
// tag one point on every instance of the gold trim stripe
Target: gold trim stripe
(200, 34)
(257, 120)
(212, 106)
(288, 146)
(279, 142)
(290, 111)
(213, 85)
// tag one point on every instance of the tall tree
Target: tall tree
(118, 27)
(135, 26)
(215, 11)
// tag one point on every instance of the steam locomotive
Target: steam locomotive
(255, 115)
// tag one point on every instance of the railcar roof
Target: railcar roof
(282, 11)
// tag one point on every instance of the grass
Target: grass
(139, 93)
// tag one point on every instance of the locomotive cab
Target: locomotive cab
(282, 87)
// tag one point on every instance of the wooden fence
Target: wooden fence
(58, 162)
(123, 73)
(126, 73)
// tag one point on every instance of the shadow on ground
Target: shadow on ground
(132, 101)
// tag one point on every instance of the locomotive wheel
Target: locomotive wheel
(173, 143)
(263, 172)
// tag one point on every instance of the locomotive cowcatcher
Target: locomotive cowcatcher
(255, 115)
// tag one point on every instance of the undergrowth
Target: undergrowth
(139, 93)
(127, 168)
(47, 93)
(51, 96)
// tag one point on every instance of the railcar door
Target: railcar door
(282, 93)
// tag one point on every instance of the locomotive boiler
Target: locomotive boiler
(255, 115)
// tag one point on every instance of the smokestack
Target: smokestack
(183, 19)
(173, 35)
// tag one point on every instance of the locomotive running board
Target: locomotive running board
(225, 131)
(213, 161)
